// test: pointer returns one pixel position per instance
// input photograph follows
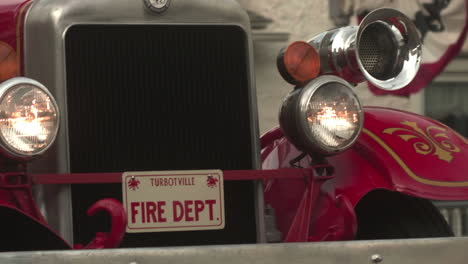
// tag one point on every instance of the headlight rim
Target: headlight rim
(6, 87)
(301, 136)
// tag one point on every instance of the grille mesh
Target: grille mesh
(159, 98)
(377, 51)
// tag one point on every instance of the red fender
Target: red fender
(417, 155)
(397, 151)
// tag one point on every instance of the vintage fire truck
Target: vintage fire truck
(143, 115)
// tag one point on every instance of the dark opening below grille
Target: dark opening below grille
(144, 97)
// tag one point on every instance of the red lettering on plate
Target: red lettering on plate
(161, 210)
(188, 209)
(134, 211)
(178, 211)
(210, 204)
(150, 211)
(199, 206)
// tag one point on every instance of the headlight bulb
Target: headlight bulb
(29, 117)
(324, 116)
(333, 115)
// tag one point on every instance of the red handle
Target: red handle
(118, 221)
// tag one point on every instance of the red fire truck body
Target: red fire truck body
(315, 197)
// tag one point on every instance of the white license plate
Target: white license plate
(160, 201)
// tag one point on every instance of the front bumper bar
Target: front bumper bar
(409, 251)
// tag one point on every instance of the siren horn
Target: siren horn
(384, 49)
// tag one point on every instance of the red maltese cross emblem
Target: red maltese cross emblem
(133, 184)
(211, 181)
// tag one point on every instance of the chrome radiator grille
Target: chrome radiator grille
(165, 97)
(157, 97)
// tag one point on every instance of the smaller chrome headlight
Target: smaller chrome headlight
(323, 117)
(29, 118)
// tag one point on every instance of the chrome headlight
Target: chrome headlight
(323, 117)
(29, 118)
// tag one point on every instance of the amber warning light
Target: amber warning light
(298, 63)
(8, 63)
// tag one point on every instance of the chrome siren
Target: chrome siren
(385, 49)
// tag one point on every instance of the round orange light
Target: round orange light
(8, 62)
(299, 62)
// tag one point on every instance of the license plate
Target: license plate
(160, 201)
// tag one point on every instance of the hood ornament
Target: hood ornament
(157, 6)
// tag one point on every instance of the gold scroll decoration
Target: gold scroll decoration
(433, 141)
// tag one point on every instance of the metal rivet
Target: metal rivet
(376, 258)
